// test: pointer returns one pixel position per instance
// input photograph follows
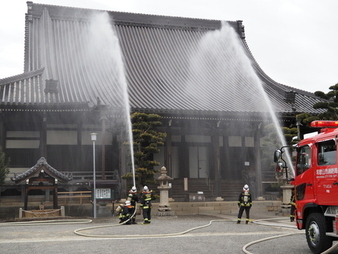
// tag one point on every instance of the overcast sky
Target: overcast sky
(294, 41)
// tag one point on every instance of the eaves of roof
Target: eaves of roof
(20, 77)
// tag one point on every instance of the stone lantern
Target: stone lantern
(164, 208)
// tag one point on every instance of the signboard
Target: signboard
(104, 193)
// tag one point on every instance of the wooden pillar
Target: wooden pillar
(168, 153)
(258, 163)
(23, 193)
(79, 164)
(243, 153)
(2, 132)
(55, 197)
(183, 158)
(43, 136)
(115, 152)
(26, 197)
(103, 146)
(226, 155)
(216, 162)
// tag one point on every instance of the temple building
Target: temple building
(84, 70)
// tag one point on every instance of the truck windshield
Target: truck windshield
(303, 159)
(327, 153)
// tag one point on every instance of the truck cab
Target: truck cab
(316, 185)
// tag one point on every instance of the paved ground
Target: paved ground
(207, 233)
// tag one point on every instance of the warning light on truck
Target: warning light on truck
(324, 124)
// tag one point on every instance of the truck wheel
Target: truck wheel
(315, 232)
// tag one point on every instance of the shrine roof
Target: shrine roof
(44, 167)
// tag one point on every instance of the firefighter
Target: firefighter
(146, 198)
(293, 206)
(118, 211)
(133, 198)
(244, 203)
(123, 210)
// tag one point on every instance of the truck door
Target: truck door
(304, 180)
(326, 174)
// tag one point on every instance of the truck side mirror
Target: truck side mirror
(277, 156)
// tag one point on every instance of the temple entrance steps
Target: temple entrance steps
(230, 189)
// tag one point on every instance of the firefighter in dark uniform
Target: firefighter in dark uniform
(293, 206)
(146, 198)
(244, 204)
(124, 213)
(133, 198)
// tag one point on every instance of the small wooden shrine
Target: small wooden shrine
(41, 176)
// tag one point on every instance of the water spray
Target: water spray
(220, 58)
(104, 44)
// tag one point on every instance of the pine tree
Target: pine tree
(146, 142)
(4, 167)
(329, 104)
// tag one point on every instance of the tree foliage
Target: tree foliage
(146, 142)
(4, 167)
(329, 104)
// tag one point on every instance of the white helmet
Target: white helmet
(145, 188)
(133, 189)
(246, 187)
(128, 203)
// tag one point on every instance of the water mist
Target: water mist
(221, 59)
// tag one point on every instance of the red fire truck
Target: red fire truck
(316, 185)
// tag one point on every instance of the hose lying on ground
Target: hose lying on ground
(266, 239)
(140, 236)
(77, 231)
(335, 246)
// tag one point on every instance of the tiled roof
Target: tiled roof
(42, 165)
(171, 64)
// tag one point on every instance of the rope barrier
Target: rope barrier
(33, 212)
(42, 222)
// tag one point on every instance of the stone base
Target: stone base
(164, 208)
(283, 212)
(103, 211)
(219, 199)
(165, 213)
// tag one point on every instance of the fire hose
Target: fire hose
(77, 231)
(335, 246)
(279, 236)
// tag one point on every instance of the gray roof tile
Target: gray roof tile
(42, 165)
(171, 64)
